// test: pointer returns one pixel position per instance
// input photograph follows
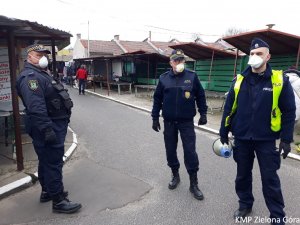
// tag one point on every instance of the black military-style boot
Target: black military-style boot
(61, 204)
(241, 213)
(194, 187)
(45, 197)
(175, 180)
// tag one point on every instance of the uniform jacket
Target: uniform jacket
(42, 102)
(176, 95)
(252, 120)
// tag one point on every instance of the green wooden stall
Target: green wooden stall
(144, 68)
(214, 67)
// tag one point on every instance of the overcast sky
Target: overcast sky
(166, 19)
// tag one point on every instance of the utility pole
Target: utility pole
(88, 48)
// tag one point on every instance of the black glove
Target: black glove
(202, 120)
(286, 148)
(156, 125)
(224, 140)
(50, 136)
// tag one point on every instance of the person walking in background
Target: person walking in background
(81, 76)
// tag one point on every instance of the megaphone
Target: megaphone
(222, 150)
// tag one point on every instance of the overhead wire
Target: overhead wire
(169, 31)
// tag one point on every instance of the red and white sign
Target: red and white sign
(5, 87)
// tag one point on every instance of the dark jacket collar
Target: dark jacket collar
(172, 74)
(267, 73)
(30, 66)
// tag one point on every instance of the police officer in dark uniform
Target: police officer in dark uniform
(176, 94)
(262, 111)
(48, 110)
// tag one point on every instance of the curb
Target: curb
(202, 128)
(25, 182)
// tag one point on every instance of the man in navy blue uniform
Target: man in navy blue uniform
(255, 123)
(177, 93)
(48, 110)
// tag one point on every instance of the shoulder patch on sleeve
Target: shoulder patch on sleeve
(33, 85)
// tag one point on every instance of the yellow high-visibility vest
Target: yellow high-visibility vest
(277, 83)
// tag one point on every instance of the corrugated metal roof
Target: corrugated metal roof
(279, 42)
(24, 29)
(198, 51)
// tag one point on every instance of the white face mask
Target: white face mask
(179, 67)
(43, 62)
(255, 61)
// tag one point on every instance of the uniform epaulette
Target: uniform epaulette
(189, 70)
(165, 73)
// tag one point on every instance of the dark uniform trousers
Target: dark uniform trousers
(81, 85)
(188, 138)
(51, 157)
(269, 162)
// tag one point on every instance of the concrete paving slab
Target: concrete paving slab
(96, 187)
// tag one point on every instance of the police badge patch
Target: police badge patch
(33, 85)
(187, 94)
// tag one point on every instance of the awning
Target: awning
(137, 54)
(280, 42)
(147, 55)
(199, 51)
(24, 29)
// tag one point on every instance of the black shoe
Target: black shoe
(175, 181)
(242, 213)
(45, 197)
(65, 206)
(197, 193)
(194, 189)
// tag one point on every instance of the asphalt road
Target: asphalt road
(119, 174)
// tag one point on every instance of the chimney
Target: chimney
(117, 37)
(78, 36)
(270, 26)
(150, 35)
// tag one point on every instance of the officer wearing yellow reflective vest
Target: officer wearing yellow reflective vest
(259, 109)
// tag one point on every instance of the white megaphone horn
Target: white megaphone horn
(222, 150)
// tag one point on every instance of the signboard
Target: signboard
(5, 87)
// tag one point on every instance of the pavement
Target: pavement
(11, 180)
